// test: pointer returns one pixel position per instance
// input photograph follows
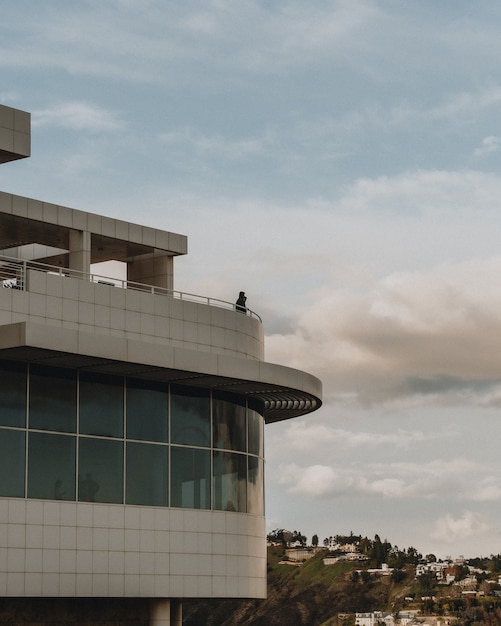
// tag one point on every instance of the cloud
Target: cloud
(78, 116)
(450, 530)
(311, 434)
(436, 479)
(217, 145)
(121, 40)
(429, 334)
(489, 145)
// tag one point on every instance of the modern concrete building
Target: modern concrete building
(131, 416)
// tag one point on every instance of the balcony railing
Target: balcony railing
(13, 274)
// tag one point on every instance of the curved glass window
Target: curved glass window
(147, 410)
(229, 427)
(255, 429)
(12, 394)
(101, 401)
(190, 416)
(230, 482)
(190, 482)
(68, 435)
(53, 393)
(51, 466)
(255, 486)
(146, 475)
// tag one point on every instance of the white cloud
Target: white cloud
(78, 116)
(423, 334)
(217, 145)
(460, 478)
(489, 145)
(125, 40)
(310, 434)
(450, 530)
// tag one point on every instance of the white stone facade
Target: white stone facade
(56, 313)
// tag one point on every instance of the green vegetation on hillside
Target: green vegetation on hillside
(314, 594)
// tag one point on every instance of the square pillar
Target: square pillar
(155, 269)
(79, 250)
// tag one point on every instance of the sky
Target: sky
(339, 161)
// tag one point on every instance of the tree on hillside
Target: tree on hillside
(297, 536)
(279, 535)
(314, 541)
(351, 538)
(427, 583)
(413, 556)
(397, 575)
(380, 551)
(286, 537)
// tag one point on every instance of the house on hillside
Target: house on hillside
(375, 618)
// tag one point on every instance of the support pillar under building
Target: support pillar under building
(166, 613)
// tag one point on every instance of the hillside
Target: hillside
(311, 594)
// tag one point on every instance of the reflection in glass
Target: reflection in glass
(12, 460)
(190, 416)
(147, 405)
(229, 424)
(100, 470)
(256, 439)
(12, 394)
(199, 478)
(101, 405)
(52, 398)
(255, 486)
(230, 482)
(146, 476)
(51, 466)
(190, 482)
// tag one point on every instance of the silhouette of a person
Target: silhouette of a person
(88, 489)
(58, 490)
(240, 303)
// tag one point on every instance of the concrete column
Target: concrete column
(176, 613)
(160, 613)
(166, 613)
(152, 269)
(80, 250)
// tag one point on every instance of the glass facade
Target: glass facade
(68, 435)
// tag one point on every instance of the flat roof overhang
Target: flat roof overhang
(285, 392)
(25, 221)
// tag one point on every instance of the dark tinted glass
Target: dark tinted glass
(190, 417)
(51, 466)
(12, 461)
(190, 478)
(100, 470)
(101, 405)
(53, 393)
(147, 477)
(12, 394)
(147, 411)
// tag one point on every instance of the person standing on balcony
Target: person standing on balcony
(240, 303)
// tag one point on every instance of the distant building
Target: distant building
(131, 416)
(300, 554)
(375, 618)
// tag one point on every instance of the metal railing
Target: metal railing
(13, 274)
